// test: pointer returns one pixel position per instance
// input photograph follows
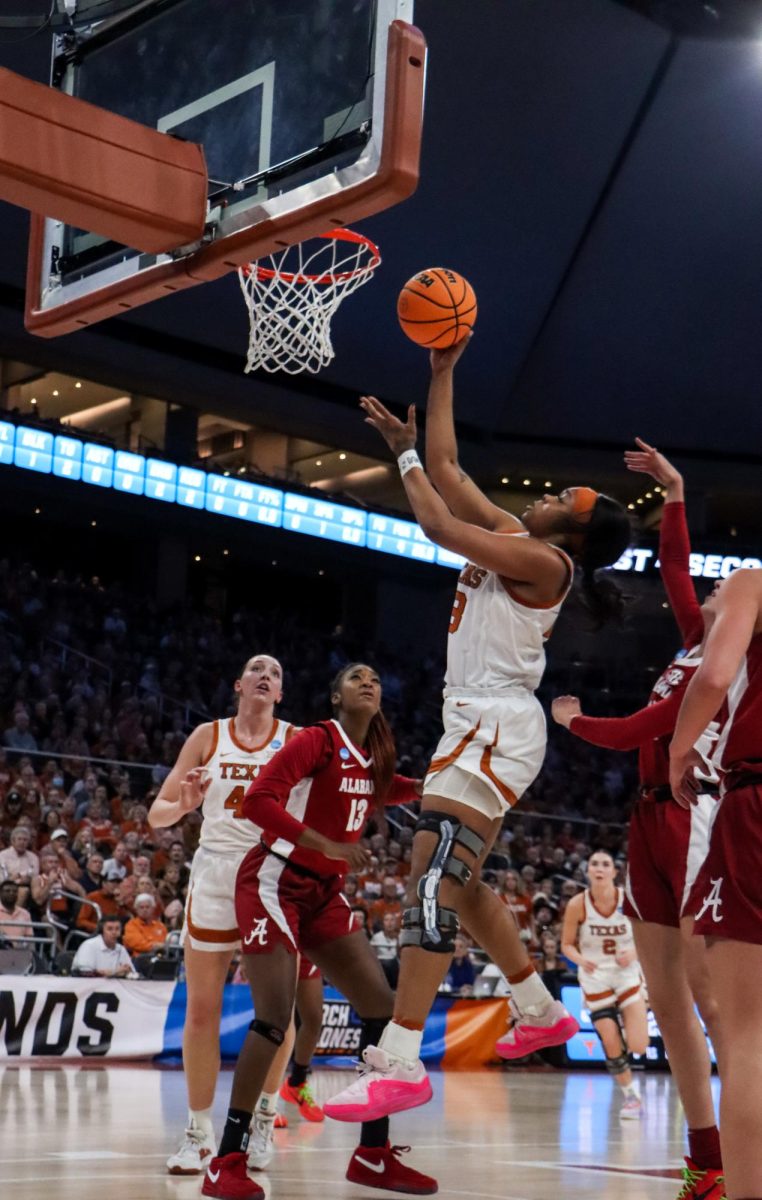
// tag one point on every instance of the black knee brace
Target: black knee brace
(606, 1014)
(617, 1066)
(271, 1033)
(430, 926)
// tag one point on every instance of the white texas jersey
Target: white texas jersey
(497, 640)
(233, 766)
(600, 937)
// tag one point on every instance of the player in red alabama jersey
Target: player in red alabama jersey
(667, 845)
(312, 804)
(727, 896)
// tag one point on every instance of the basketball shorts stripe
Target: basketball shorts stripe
(726, 898)
(498, 740)
(210, 921)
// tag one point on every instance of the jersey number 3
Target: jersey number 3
(458, 608)
(357, 814)
(235, 802)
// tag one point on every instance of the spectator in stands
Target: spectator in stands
(12, 914)
(106, 898)
(11, 810)
(170, 887)
(514, 896)
(119, 863)
(59, 842)
(144, 933)
(18, 862)
(361, 919)
(47, 887)
(462, 973)
(19, 735)
(545, 916)
(386, 945)
(103, 954)
(98, 822)
(388, 902)
(92, 876)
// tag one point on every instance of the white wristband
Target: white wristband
(407, 460)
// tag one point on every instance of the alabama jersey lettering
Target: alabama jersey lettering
(233, 766)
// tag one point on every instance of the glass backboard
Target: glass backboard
(309, 113)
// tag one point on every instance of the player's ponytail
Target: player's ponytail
(380, 744)
(606, 537)
(383, 751)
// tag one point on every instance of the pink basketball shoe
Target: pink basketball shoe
(527, 1033)
(385, 1086)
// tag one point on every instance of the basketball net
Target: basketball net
(291, 297)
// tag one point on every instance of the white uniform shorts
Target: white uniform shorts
(210, 921)
(490, 752)
(611, 986)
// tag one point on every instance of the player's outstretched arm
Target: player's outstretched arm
(185, 786)
(573, 918)
(647, 460)
(618, 733)
(738, 619)
(522, 560)
(457, 489)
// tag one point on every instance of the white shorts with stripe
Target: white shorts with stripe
(611, 986)
(210, 921)
(497, 739)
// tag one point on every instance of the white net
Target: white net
(292, 296)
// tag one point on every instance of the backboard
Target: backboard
(309, 113)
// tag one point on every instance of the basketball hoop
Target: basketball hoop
(292, 296)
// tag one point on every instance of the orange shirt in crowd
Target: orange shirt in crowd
(379, 909)
(521, 907)
(141, 936)
(109, 906)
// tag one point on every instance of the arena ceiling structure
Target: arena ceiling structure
(594, 167)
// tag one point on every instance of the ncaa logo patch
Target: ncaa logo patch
(276, 745)
(343, 753)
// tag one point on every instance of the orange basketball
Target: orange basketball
(436, 308)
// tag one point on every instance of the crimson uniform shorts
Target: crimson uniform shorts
(280, 905)
(666, 848)
(726, 899)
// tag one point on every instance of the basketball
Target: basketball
(437, 308)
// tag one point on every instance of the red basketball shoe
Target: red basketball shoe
(701, 1183)
(280, 1121)
(302, 1096)
(380, 1167)
(226, 1179)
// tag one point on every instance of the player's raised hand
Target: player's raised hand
(564, 709)
(398, 435)
(647, 460)
(445, 360)
(193, 788)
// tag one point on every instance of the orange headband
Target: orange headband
(584, 501)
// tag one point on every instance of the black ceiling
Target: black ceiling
(599, 181)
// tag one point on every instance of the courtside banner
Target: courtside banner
(44, 1016)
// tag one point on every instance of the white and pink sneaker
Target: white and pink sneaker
(385, 1085)
(529, 1033)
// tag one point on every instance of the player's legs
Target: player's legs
(700, 982)
(634, 1015)
(205, 975)
(353, 968)
(309, 1006)
(735, 970)
(660, 954)
(615, 1049)
(421, 971)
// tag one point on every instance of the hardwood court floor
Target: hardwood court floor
(104, 1132)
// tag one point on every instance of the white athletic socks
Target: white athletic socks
(267, 1104)
(402, 1043)
(531, 996)
(202, 1119)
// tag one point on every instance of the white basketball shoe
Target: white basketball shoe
(196, 1149)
